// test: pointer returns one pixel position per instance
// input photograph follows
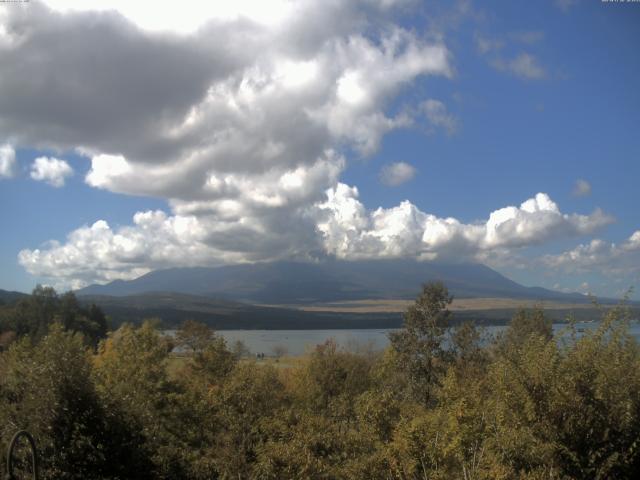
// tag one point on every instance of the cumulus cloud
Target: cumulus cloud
(397, 173)
(242, 120)
(523, 65)
(51, 170)
(599, 256)
(235, 96)
(7, 161)
(191, 15)
(582, 188)
(215, 99)
(339, 226)
(236, 117)
(350, 231)
(98, 253)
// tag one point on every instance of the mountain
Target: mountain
(7, 297)
(293, 283)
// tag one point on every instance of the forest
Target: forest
(441, 402)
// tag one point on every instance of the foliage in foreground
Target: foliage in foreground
(439, 403)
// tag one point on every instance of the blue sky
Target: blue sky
(252, 149)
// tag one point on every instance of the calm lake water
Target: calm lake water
(297, 342)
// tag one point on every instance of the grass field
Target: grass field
(462, 304)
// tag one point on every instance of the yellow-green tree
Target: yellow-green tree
(130, 372)
(419, 343)
(47, 389)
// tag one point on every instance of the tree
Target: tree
(91, 322)
(240, 349)
(131, 378)
(32, 316)
(469, 357)
(213, 363)
(247, 401)
(329, 380)
(419, 344)
(47, 389)
(194, 336)
(526, 323)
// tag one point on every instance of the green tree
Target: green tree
(91, 322)
(194, 336)
(130, 372)
(523, 325)
(240, 350)
(419, 344)
(247, 402)
(47, 389)
(470, 358)
(212, 364)
(330, 379)
(33, 315)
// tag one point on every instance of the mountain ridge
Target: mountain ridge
(291, 282)
(8, 296)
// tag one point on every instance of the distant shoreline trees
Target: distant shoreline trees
(33, 315)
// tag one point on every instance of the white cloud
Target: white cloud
(238, 123)
(98, 253)
(324, 74)
(350, 231)
(582, 188)
(599, 256)
(7, 161)
(633, 243)
(438, 116)
(523, 65)
(397, 173)
(238, 118)
(188, 15)
(51, 170)
(339, 225)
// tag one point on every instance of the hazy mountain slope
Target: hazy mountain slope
(297, 282)
(10, 297)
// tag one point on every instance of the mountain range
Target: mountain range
(296, 283)
(330, 294)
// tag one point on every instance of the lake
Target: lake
(297, 342)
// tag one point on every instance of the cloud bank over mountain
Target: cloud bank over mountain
(244, 122)
(340, 226)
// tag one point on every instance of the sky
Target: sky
(137, 137)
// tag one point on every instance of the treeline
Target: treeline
(32, 315)
(524, 405)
